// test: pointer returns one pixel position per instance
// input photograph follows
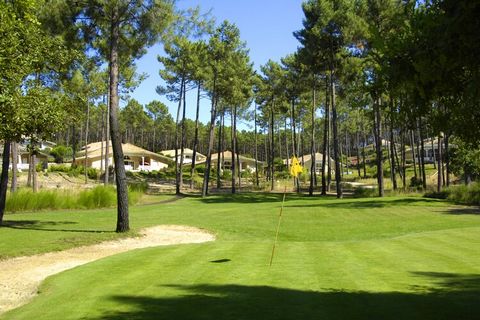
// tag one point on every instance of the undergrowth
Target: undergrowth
(98, 197)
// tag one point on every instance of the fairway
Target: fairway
(391, 258)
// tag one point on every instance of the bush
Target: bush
(463, 194)
(60, 152)
(27, 200)
(58, 168)
(92, 173)
(416, 182)
(226, 175)
(141, 186)
(444, 194)
(365, 192)
(98, 197)
(282, 175)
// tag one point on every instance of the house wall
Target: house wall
(97, 163)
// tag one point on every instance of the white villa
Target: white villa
(245, 162)
(135, 158)
(187, 155)
(306, 162)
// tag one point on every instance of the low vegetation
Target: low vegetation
(97, 197)
(461, 194)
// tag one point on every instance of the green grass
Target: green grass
(392, 258)
(55, 199)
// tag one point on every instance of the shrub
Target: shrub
(444, 194)
(463, 194)
(60, 152)
(282, 175)
(58, 168)
(416, 182)
(27, 200)
(365, 192)
(226, 174)
(141, 186)
(98, 197)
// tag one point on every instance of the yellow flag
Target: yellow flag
(295, 167)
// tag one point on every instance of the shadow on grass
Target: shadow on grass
(451, 297)
(39, 225)
(461, 211)
(378, 203)
(256, 198)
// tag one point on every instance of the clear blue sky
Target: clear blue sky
(265, 25)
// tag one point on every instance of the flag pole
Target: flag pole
(278, 226)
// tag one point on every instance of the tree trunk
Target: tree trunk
(74, 146)
(34, 173)
(86, 142)
(177, 170)
(294, 131)
(256, 148)
(414, 154)
(335, 139)
(447, 159)
(222, 146)
(434, 158)
(329, 150)
(4, 178)
(118, 159)
(347, 151)
(357, 143)
(107, 141)
(286, 143)
(211, 138)
(325, 159)
(294, 142)
(404, 168)
(312, 145)
(439, 165)
(184, 135)
(272, 157)
(195, 139)
(378, 146)
(13, 186)
(392, 147)
(364, 160)
(234, 147)
(239, 169)
(422, 155)
(30, 171)
(220, 150)
(102, 137)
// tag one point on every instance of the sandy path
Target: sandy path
(20, 277)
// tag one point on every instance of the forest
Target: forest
(373, 84)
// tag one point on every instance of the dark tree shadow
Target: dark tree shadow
(461, 211)
(452, 296)
(257, 198)
(39, 225)
(380, 203)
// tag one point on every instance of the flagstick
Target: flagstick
(278, 226)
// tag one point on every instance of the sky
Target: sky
(266, 26)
